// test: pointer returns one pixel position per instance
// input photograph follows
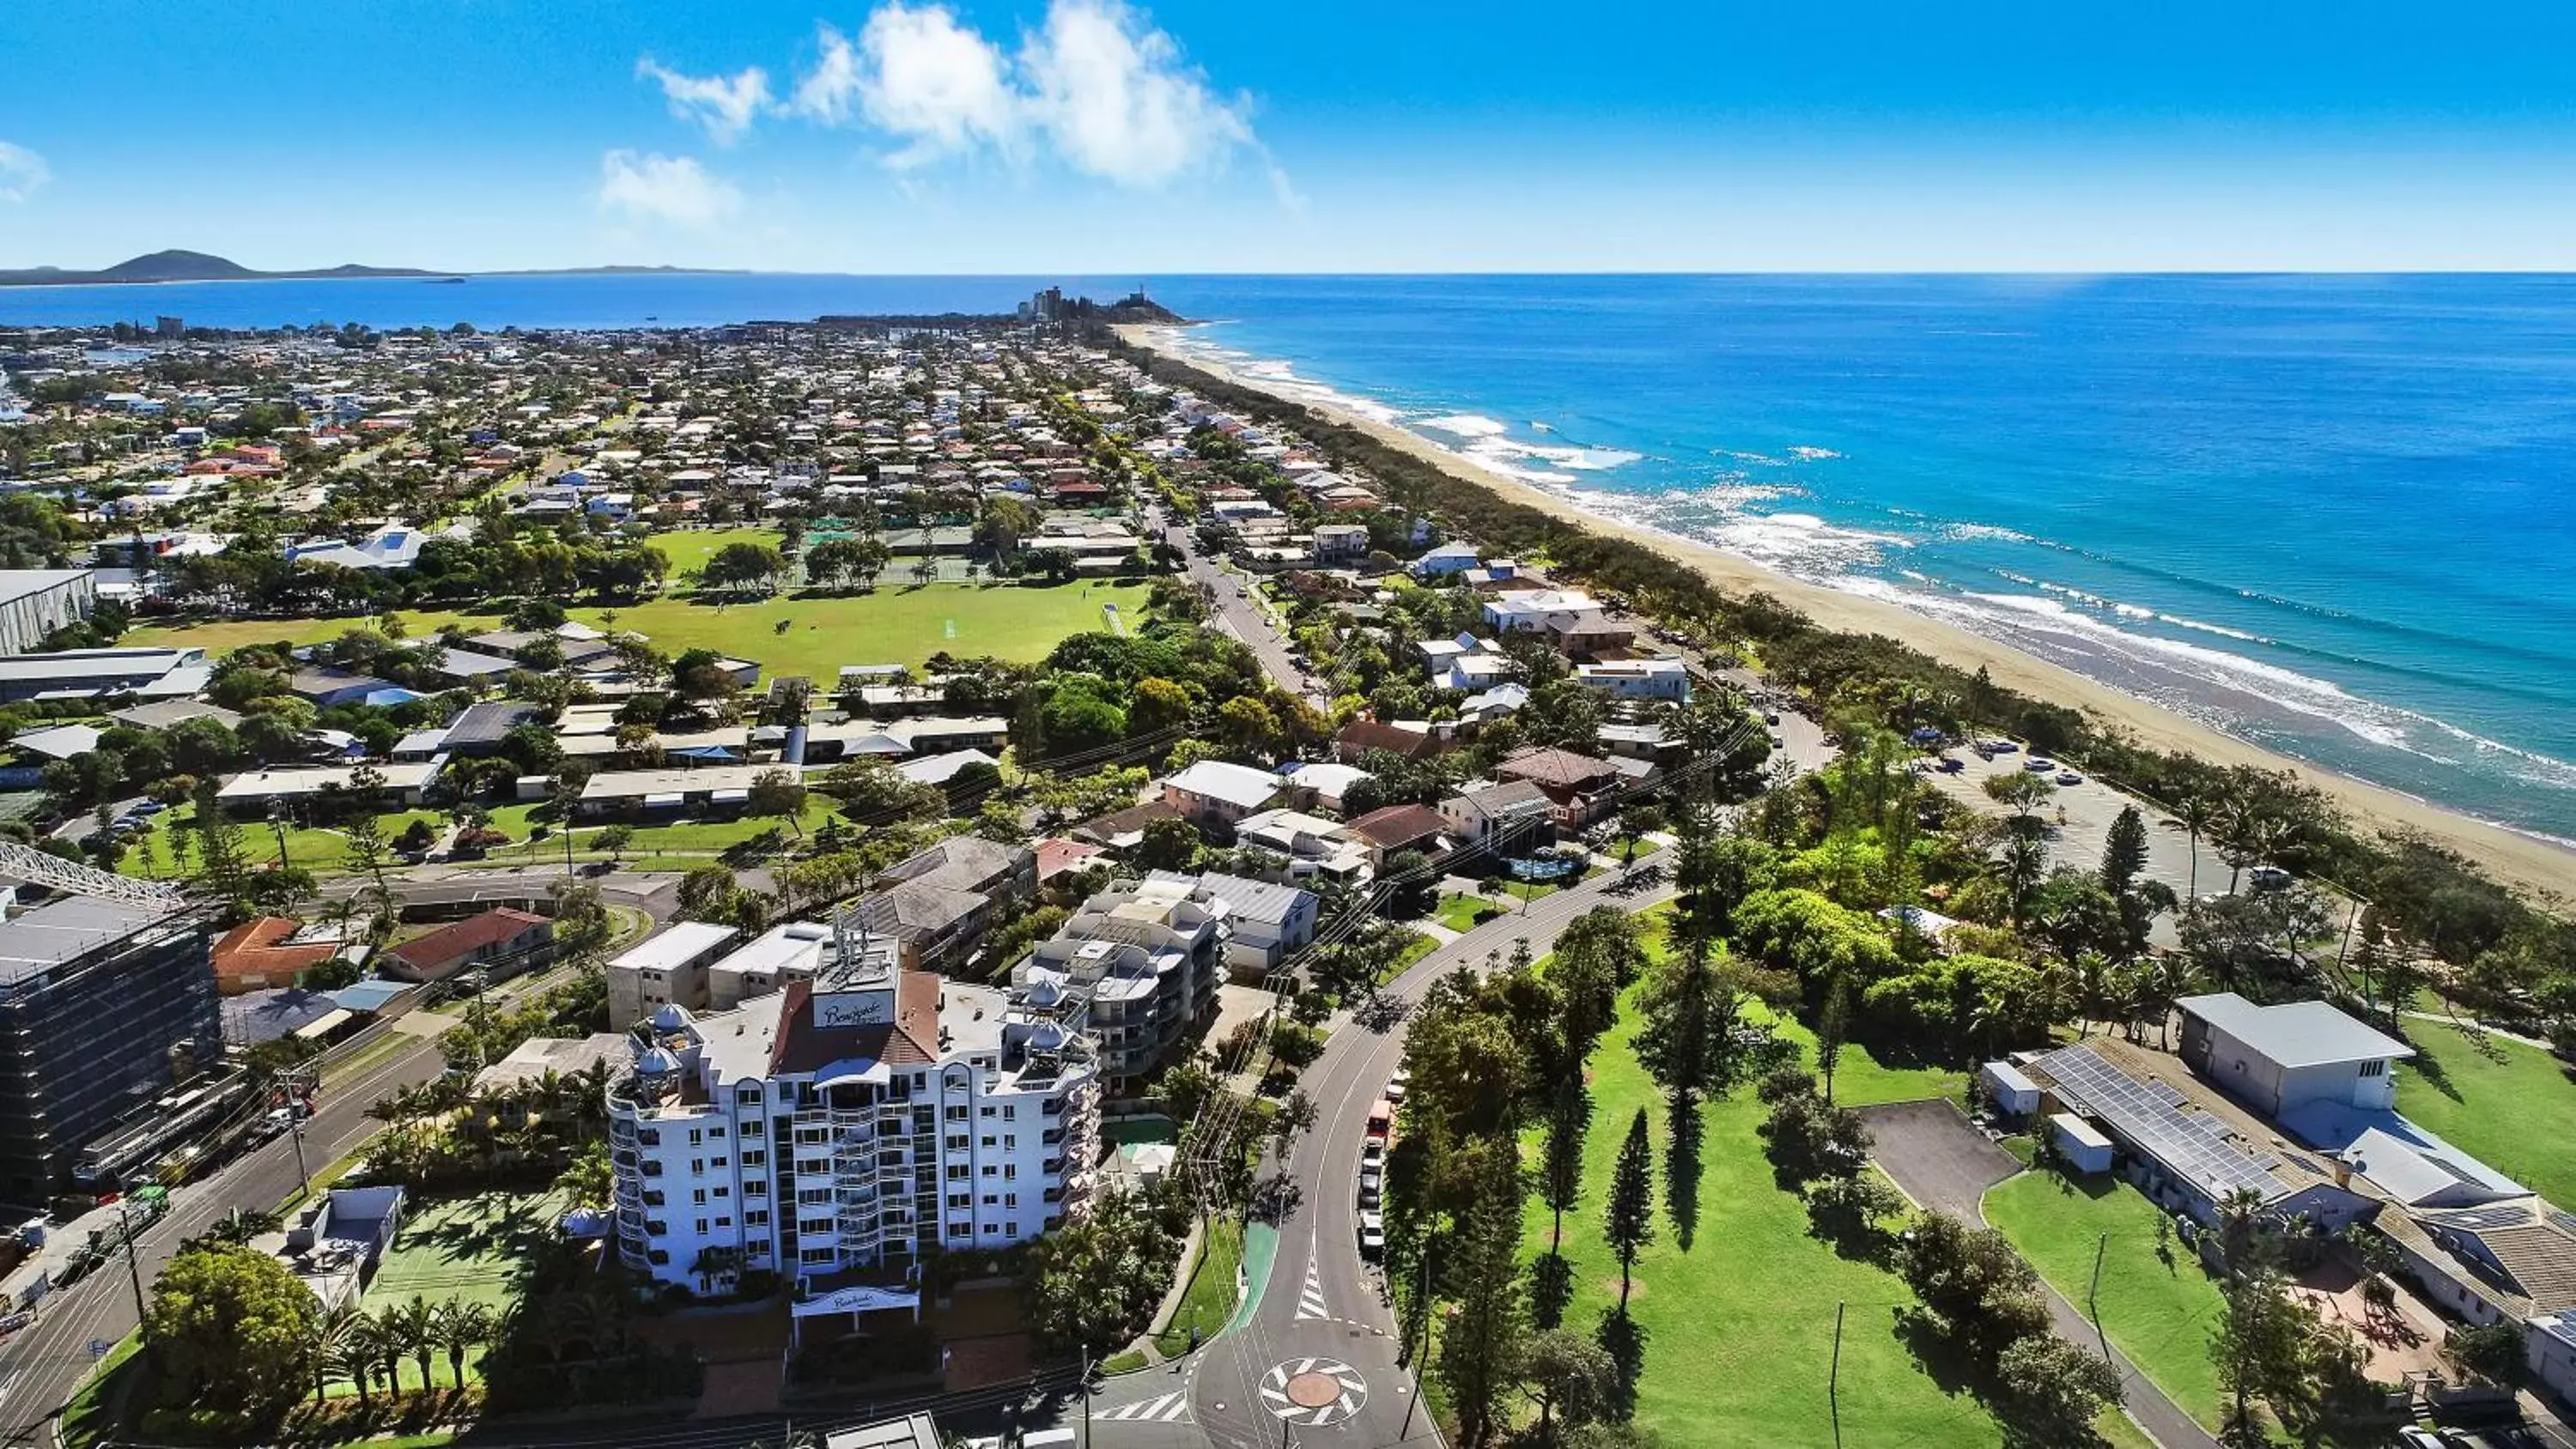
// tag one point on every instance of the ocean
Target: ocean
(2331, 515)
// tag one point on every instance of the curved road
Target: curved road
(1316, 1361)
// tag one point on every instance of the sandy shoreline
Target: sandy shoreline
(2516, 859)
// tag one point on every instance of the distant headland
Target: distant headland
(187, 266)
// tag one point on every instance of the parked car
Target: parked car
(1999, 747)
(2069, 777)
(2269, 878)
(1372, 1236)
(2040, 767)
(1372, 1182)
(1951, 765)
(1396, 1084)
(1372, 1151)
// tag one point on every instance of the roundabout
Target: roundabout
(1314, 1392)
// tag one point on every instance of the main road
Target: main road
(1316, 1359)
(44, 1365)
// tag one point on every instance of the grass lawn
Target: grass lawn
(903, 624)
(2159, 1314)
(1459, 912)
(690, 548)
(898, 624)
(677, 845)
(1421, 945)
(221, 635)
(323, 852)
(1209, 1301)
(1740, 1325)
(468, 1247)
(91, 1415)
(2516, 1111)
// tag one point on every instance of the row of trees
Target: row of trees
(232, 1329)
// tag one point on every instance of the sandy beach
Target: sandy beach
(2519, 860)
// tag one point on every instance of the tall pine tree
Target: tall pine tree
(1628, 1224)
(1480, 1351)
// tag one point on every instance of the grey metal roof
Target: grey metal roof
(57, 933)
(2298, 1033)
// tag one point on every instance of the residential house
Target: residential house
(1398, 828)
(1581, 788)
(262, 954)
(1218, 792)
(1514, 816)
(502, 935)
(1638, 679)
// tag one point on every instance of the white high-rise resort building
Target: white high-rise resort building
(834, 1131)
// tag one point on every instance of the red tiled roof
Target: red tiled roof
(450, 942)
(1397, 825)
(1367, 734)
(1561, 768)
(251, 949)
(1056, 856)
(805, 1047)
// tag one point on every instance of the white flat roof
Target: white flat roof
(2084, 1133)
(682, 942)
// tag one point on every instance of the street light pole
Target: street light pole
(2093, 1296)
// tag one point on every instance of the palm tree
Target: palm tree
(359, 1352)
(420, 1334)
(392, 1344)
(461, 1326)
(2194, 812)
(324, 1335)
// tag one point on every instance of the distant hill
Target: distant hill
(186, 266)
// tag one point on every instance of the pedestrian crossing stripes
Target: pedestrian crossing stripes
(1310, 1298)
(1169, 1409)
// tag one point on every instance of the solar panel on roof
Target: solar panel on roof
(2191, 1145)
(2566, 1221)
(2166, 1092)
(2484, 1218)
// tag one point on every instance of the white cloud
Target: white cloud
(831, 88)
(939, 85)
(673, 189)
(1118, 100)
(22, 172)
(1110, 95)
(725, 105)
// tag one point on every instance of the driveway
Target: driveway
(1941, 1161)
(1944, 1163)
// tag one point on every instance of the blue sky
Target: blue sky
(1094, 136)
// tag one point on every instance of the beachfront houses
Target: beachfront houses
(1640, 679)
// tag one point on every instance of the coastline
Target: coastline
(2519, 860)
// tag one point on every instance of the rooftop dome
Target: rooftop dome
(657, 1062)
(669, 1017)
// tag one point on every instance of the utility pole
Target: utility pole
(1422, 1311)
(2093, 1297)
(295, 1127)
(1834, 1379)
(133, 1272)
(1086, 1397)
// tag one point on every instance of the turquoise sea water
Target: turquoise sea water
(2335, 515)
